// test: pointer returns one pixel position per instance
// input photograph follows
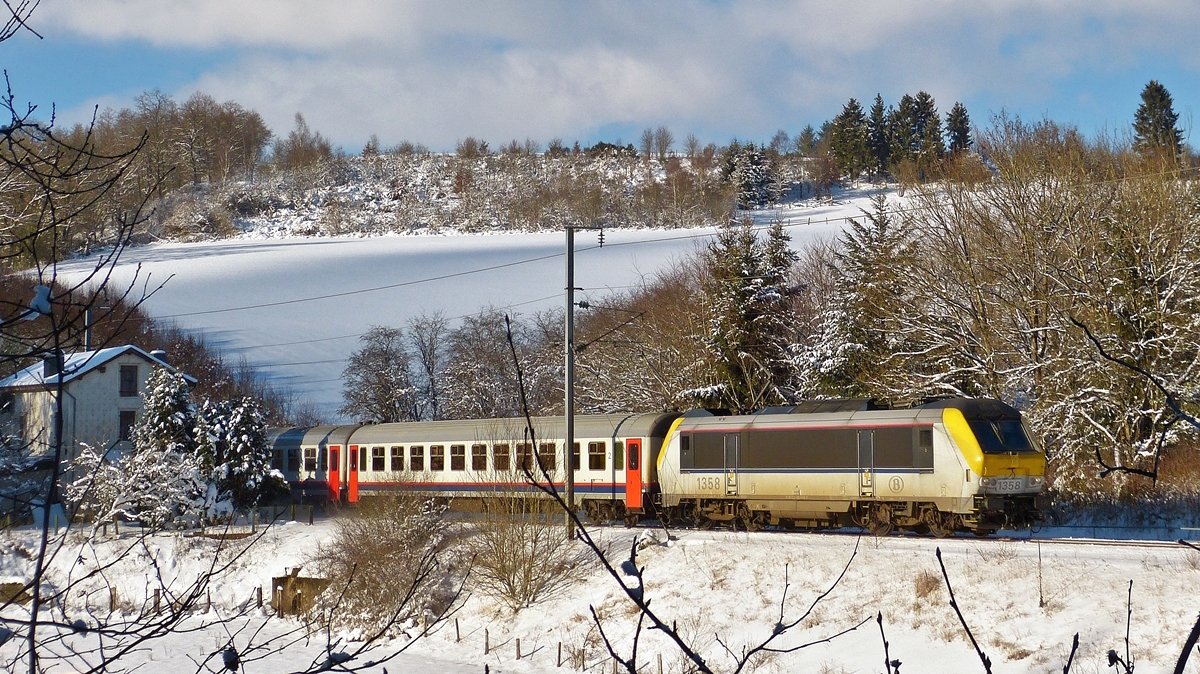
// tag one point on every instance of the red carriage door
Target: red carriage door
(352, 475)
(334, 474)
(633, 474)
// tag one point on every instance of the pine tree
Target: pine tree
(928, 131)
(903, 131)
(746, 296)
(879, 141)
(232, 450)
(752, 174)
(850, 140)
(852, 351)
(1155, 125)
(958, 128)
(806, 142)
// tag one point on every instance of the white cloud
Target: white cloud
(437, 71)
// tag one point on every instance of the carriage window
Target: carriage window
(524, 456)
(547, 454)
(293, 459)
(322, 459)
(458, 457)
(397, 459)
(596, 452)
(378, 460)
(500, 457)
(416, 458)
(310, 459)
(277, 459)
(354, 463)
(437, 457)
(619, 455)
(478, 457)
(575, 457)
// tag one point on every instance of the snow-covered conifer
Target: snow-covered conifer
(232, 450)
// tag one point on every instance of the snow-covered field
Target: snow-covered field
(254, 297)
(1023, 603)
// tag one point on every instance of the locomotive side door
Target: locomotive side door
(866, 463)
(352, 475)
(334, 474)
(731, 464)
(633, 474)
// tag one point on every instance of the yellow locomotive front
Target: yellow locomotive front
(1006, 469)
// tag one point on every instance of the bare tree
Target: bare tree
(377, 382)
(428, 334)
(663, 141)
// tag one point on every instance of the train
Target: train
(945, 466)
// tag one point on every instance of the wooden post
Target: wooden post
(253, 521)
(258, 596)
(457, 634)
(310, 515)
(112, 599)
(660, 663)
(157, 600)
(279, 601)
(486, 646)
(208, 596)
(558, 660)
(518, 648)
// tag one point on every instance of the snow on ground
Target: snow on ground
(303, 345)
(1023, 602)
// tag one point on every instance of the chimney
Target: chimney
(52, 364)
(160, 354)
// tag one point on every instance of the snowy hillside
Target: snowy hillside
(293, 307)
(1023, 601)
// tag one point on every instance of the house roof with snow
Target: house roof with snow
(76, 365)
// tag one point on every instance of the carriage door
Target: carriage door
(633, 474)
(334, 474)
(352, 474)
(866, 463)
(731, 464)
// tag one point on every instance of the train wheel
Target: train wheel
(983, 532)
(941, 525)
(592, 510)
(879, 520)
(630, 520)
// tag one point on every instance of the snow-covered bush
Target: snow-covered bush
(139, 485)
(382, 564)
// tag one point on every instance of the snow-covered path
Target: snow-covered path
(302, 343)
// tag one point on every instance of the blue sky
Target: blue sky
(435, 72)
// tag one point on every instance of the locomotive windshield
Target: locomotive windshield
(998, 437)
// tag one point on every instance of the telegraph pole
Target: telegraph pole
(569, 383)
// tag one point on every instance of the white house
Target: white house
(101, 398)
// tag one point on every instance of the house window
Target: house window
(500, 457)
(378, 461)
(478, 457)
(128, 420)
(458, 457)
(310, 459)
(397, 459)
(596, 452)
(416, 458)
(437, 457)
(129, 381)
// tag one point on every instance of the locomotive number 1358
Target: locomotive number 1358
(708, 483)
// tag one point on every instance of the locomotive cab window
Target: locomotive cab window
(596, 452)
(1001, 437)
(687, 460)
(479, 457)
(923, 458)
(437, 457)
(458, 457)
(500, 457)
(378, 460)
(416, 458)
